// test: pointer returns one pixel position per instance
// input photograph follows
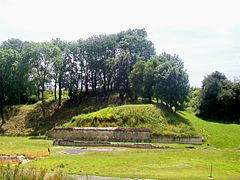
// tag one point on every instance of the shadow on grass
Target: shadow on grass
(56, 116)
(172, 117)
(219, 120)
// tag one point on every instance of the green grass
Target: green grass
(174, 163)
(162, 164)
(218, 135)
(22, 120)
(24, 146)
(160, 120)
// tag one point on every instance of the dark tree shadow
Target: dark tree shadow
(172, 117)
(9, 111)
(222, 120)
(56, 116)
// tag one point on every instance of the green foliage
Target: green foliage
(194, 99)
(172, 84)
(136, 78)
(32, 99)
(159, 120)
(220, 98)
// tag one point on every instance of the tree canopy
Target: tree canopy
(220, 98)
(123, 63)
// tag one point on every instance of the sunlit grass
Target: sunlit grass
(24, 146)
(161, 121)
(139, 163)
(215, 134)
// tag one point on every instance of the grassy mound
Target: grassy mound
(160, 120)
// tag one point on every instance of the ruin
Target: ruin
(101, 134)
(72, 135)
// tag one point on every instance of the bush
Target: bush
(32, 99)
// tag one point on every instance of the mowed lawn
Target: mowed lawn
(178, 162)
(142, 163)
(215, 134)
(24, 146)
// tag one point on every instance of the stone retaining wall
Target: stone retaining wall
(101, 134)
(116, 134)
(61, 142)
(180, 140)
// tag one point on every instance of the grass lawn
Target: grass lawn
(24, 146)
(175, 163)
(140, 163)
(217, 135)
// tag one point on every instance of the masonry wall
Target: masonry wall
(180, 140)
(101, 134)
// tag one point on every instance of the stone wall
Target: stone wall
(101, 134)
(180, 140)
(60, 142)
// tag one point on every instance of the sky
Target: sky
(204, 33)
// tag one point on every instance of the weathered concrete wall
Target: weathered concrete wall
(181, 140)
(101, 134)
(61, 142)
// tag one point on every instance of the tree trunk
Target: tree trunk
(86, 83)
(157, 100)
(38, 91)
(95, 83)
(55, 90)
(60, 90)
(1, 112)
(136, 98)
(19, 97)
(42, 94)
(104, 83)
(150, 99)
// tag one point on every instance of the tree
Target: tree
(8, 62)
(148, 78)
(123, 66)
(59, 67)
(136, 79)
(15, 44)
(211, 86)
(171, 85)
(220, 98)
(132, 47)
(44, 56)
(194, 99)
(135, 42)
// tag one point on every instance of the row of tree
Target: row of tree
(124, 63)
(162, 77)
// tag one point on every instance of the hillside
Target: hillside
(215, 134)
(28, 119)
(155, 117)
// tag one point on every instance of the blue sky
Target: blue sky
(204, 33)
